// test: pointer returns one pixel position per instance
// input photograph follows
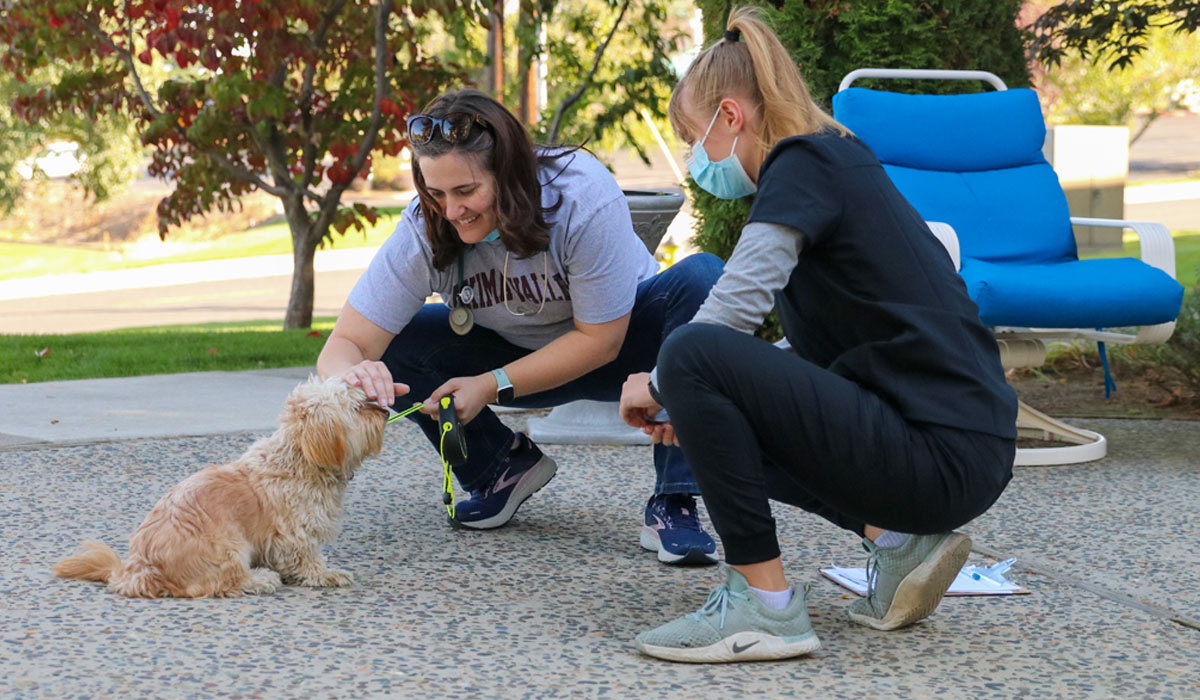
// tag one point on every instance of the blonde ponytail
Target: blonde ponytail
(750, 62)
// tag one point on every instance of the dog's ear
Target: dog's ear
(322, 436)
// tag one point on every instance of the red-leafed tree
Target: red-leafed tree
(291, 97)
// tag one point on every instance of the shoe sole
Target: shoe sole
(743, 646)
(530, 483)
(922, 590)
(652, 542)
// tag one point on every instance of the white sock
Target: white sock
(777, 600)
(891, 538)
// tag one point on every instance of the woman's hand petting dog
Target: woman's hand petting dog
(376, 380)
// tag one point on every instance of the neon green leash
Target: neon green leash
(447, 482)
(408, 411)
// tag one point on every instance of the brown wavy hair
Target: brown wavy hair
(504, 149)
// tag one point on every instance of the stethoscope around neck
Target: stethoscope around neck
(461, 318)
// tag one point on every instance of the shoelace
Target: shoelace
(675, 517)
(872, 574)
(486, 492)
(718, 600)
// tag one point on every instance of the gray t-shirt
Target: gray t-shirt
(590, 271)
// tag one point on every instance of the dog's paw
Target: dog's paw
(333, 578)
(262, 581)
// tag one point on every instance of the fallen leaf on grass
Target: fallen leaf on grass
(1175, 398)
(315, 334)
(212, 351)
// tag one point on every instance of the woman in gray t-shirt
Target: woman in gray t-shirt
(549, 297)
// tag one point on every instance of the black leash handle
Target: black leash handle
(454, 440)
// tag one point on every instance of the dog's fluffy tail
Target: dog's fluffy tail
(98, 562)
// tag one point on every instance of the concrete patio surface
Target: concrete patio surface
(548, 606)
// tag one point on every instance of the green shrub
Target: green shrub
(1185, 343)
(830, 38)
(1180, 355)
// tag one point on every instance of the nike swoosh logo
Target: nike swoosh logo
(504, 482)
(737, 649)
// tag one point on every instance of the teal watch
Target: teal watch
(504, 388)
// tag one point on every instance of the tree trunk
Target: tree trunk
(527, 68)
(1150, 119)
(495, 50)
(304, 249)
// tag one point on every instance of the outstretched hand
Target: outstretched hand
(471, 395)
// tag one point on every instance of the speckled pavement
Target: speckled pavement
(548, 606)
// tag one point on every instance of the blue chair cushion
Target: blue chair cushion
(1013, 215)
(973, 161)
(981, 131)
(1100, 293)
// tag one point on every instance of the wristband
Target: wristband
(504, 388)
(654, 392)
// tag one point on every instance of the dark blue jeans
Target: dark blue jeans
(427, 353)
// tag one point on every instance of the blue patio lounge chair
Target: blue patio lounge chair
(973, 164)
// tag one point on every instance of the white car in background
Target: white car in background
(57, 160)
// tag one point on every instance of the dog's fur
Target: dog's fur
(253, 524)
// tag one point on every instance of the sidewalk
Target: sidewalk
(89, 411)
(548, 606)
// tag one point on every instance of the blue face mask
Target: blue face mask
(493, 236)
(724, 179)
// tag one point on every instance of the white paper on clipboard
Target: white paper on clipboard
(856, 581)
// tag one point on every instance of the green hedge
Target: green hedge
(830, 38)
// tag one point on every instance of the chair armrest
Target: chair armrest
(948, 238)
(1158, 248)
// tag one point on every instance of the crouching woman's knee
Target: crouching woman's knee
(695, 275)
(686, 357)
(706, 268)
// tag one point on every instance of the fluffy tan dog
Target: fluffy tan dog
(249, 526)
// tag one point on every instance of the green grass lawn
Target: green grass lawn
(159, 350)
(19, 260)
(254, 344)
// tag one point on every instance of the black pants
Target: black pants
(758, 423)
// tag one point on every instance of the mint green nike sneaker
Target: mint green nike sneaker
(906, 583)
(734, 625)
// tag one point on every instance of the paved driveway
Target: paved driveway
(548, 606)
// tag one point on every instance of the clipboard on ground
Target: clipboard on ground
(855, 580)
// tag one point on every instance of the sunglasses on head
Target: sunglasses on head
(454, 127)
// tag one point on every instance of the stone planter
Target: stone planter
(652, 213)
(599, 422)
